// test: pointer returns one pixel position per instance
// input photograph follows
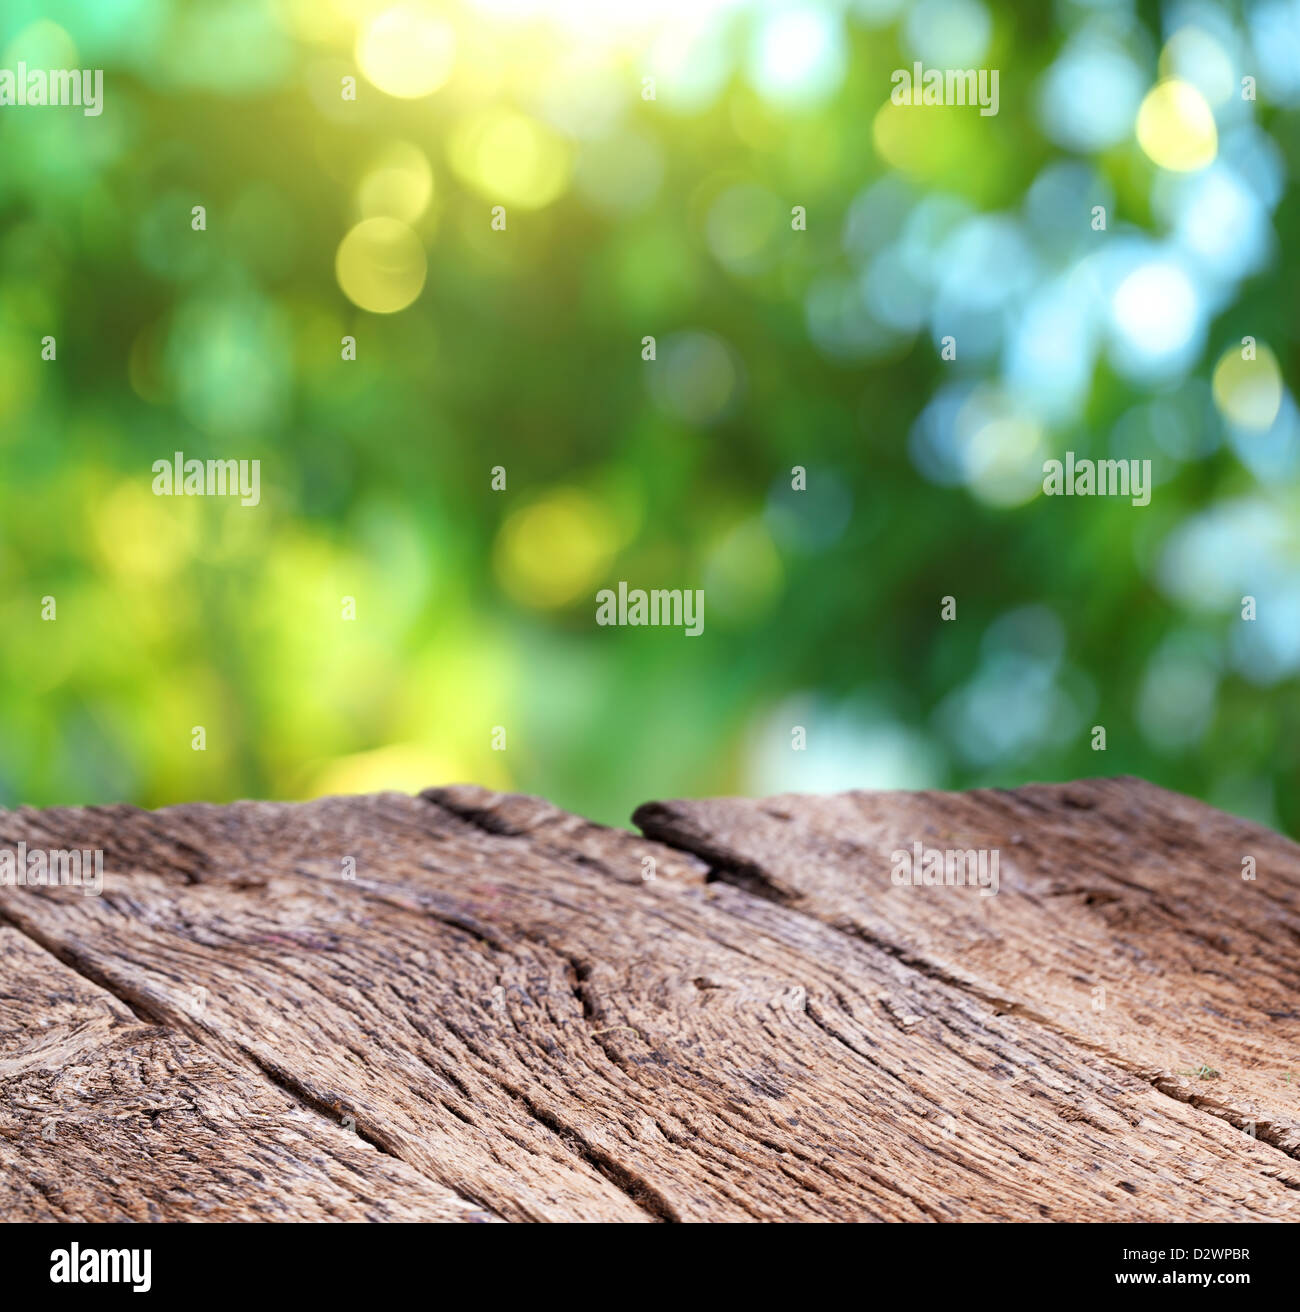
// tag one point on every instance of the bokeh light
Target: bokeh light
(407, 51)
(556, 549)
(399, 185)
(1248, 390)
(828, 426)
(381, 265)
(511, 158)
(1175, 126)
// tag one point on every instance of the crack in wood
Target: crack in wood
(693, 827)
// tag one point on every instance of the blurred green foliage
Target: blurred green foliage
(626, 217)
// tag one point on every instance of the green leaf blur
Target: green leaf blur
(776, 347)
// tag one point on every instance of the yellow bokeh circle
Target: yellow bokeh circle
(381, 265)
(511, 158)
(550, 552)
(1248, 392)
(1175, 127)
(398, 186)
(407, 51)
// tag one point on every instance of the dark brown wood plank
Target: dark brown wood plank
(542, 1030)
(104, 1118)
(1122, 920)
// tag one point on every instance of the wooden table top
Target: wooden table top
(476, 1007)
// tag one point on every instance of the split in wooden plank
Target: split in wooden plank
(544, 1031)
(106, 1118)
(1122, 919)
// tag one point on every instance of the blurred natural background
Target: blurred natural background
(630, 217)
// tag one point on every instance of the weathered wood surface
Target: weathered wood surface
(105, 1118)
(477, 1006)
(1107, 883)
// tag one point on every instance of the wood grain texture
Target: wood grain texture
(1108, 883)
(499, 998)
(105, 1118)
